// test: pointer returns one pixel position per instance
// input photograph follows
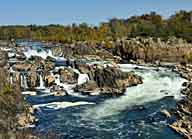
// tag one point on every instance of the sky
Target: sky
(93, 12)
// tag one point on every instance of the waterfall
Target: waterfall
(83, 78)
(11, 78)
(41, 53)
(41, 85)
(57, 79)
(23, 81)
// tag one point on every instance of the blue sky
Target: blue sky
(90, 11)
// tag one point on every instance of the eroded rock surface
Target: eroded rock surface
(183, 125)
(109, 81)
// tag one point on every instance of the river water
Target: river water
(136, 115)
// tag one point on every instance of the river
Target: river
(135, 115)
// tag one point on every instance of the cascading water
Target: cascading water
(23, 79)
(136, 115)
(83, 78)
(35, 52)
(157, 85)
(41, 82)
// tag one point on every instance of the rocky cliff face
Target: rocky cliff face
(152, 50)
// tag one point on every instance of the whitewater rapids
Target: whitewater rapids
(157, 84)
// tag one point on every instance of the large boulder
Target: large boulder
(48, 66)
(88, 88)
(57, 90)
(108, 81)
(32, 80)
(49, 80)
(67, 75)
(83, 68)
(115, 78)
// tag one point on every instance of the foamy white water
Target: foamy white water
(62, 105)
(83, 78)
(42, 53)
(23, 81)
(41, 86)
(32, 93)
(157, 85)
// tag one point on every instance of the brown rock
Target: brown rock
(49, 80)
(68, 76)
(32, 80)
(22, 67)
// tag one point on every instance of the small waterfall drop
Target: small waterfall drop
(83, 78)
(41, 82)
(23, 79)
(25, 82)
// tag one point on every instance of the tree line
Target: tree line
(146, 25)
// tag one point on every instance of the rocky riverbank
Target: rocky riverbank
(183, 125)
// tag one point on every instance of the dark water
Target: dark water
(139, 122)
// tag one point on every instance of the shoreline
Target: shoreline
(183, 124)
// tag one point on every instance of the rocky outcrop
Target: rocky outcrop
(67, 75)
(108, 81)
(49, 80)
(185, 71)
(114, 77)
(58, 91)
(82, 50)
(183, 125)
(32, 80)
(25, 120)
(83, 68)
(151, 50)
